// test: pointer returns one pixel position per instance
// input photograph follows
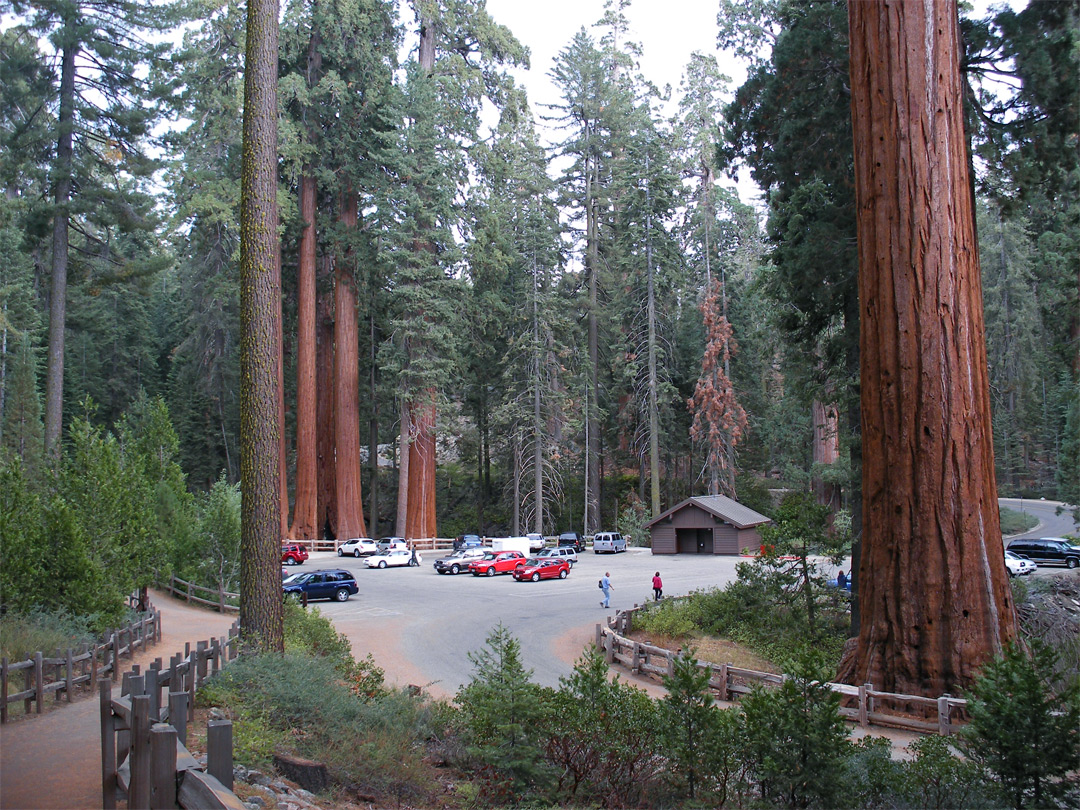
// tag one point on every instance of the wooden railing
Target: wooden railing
(64, 671)
(863, 704)
(146, 761)
(218, 599)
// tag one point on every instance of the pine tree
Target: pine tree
(1025, 726)
(687, 709)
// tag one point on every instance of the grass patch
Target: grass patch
(1013, 522)
(26, 633)
(710, 648)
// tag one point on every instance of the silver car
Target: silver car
(560, 552)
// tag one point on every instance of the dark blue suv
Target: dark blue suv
(333, 583)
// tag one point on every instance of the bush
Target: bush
(1024, 732)
(25, 633)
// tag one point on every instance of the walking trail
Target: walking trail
(53, 760)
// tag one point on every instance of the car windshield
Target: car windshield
(296, 579)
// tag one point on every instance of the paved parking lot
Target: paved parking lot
(420, 625)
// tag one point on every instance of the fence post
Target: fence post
(864, 719)
(221, 598)
(153, 691)
(944, 722)
(108, 747)
(162, 767)
(70, 675)
(219, 761)
(178, 714)
(188, 591)
(111, 656)
(599, 637)
(724, 682)
(93, 666)
(200, 658)
(139, 759)
(39, 679)
(635, 664)
(3, 689)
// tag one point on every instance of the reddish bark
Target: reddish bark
(350, 506)
(825, 447)
(283, 473)
(935, 597)
(420, 519)
(305, 508)
(324, 406)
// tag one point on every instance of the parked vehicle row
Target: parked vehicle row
(1047, 551)
(1017, 565)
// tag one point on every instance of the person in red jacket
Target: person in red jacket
(657, 586)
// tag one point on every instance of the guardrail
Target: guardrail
(863, 704)
(64, 671)
(146, 761)
(187, 590)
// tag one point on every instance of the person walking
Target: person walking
(657, 587)
(607, 587)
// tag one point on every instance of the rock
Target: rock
(256, 801)
(261, 779)
(253, 776)
(311, 776)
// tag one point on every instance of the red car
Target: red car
(538, 568)
(496, 562)
(293, 554)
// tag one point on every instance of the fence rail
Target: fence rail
(189, 590)
(144, 760)
(863, 704)
(61, 673)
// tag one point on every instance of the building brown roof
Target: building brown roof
(733, 512)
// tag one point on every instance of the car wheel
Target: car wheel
(1071, 562)
(413, 563)
(356, 552)
(454, 569)
(382, 563)
(340, 553)
(594, 551)
(491, 571)
(562, 574)
(342, 595)
(535, 577)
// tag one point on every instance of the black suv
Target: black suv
(1047, 551)
(571, 539)
(332, 583)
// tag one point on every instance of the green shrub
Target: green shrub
(671, 618)
(937, 779)
(41, 630)
(1025, 731)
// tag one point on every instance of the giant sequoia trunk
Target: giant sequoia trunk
(326, 466)
(350, 506)
(934, 594)
(420, 518)
(305, 509)
(825, 449)
(260, 307)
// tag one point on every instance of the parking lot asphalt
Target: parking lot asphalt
(420, 626)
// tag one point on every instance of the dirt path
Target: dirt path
(53, 760)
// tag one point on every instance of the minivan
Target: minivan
(608, 541)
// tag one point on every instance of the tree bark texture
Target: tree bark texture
(935, 597)
(350, 505)
(825, 449)
(420, 522)
(283, 470)
(324, 405)
(401, 518)
(305, 508)
(54, 374)
(260, 428)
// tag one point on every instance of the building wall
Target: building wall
(726, 539)
(663, 538)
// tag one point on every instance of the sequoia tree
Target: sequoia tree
(260, 309)
(934, 593)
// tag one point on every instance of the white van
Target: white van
(608, 541)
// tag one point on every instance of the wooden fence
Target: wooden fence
(863, 704)
(146, 761)
(62, 672)
(221, 600)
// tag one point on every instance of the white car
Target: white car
(357, 546)
(398, 556)
(1017, 565)
(561, 553)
